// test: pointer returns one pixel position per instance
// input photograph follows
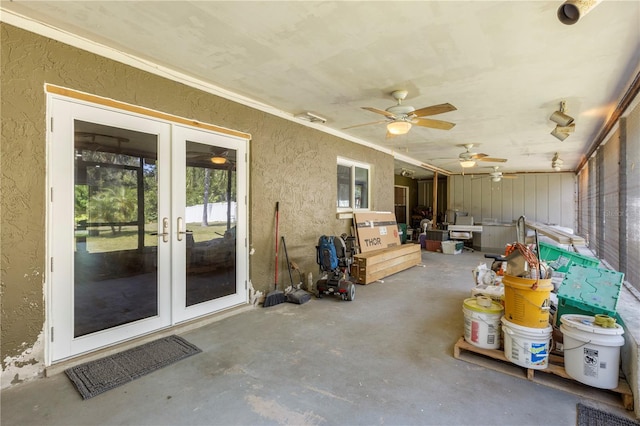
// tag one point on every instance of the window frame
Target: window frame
(352, 165)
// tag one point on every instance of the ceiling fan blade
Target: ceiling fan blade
(492, 160)
(380, 111)
(433, 124)
(365, 124)
(509, 177)
(434, 109)
(478, 156)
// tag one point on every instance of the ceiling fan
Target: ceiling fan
(469, 159)
(496, 175)
(400, 118)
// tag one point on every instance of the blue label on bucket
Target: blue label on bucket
(538, 353)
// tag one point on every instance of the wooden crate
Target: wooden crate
(375, 265)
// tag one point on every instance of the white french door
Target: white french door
(209, 193)
(144, 229)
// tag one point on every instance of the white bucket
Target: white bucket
(525, 346)
(482, 322)
(591, 353)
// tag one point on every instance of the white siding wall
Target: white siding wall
(540, 197)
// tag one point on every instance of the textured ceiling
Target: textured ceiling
(505, 65)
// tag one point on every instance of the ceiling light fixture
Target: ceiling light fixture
(311, 117)
(398, 127)
(559, 117)
(560, 135)
(467, 163)
(218, 160)
(564, 123)
(556, 162)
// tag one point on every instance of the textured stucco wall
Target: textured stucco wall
(22, 210)
(289, 163)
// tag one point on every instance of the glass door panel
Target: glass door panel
(209, 251)
(210, 217)
(115, 215)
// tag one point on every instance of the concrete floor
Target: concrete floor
(385, 358)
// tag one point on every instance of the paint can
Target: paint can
(482, 322)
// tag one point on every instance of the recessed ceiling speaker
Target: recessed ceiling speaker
(571, 11)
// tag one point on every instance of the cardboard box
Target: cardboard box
(375, 265)
(376, 230)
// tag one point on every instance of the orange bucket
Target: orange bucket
(526, 301)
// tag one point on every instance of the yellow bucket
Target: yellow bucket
(526, 301)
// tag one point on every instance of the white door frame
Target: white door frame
(60, 343)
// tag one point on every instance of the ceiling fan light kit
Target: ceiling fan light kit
(399, 127)
(467, 163)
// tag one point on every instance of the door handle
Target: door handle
(180, 229)
(165, 230)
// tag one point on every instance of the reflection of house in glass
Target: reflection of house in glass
(216, 212)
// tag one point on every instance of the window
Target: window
(353, 185)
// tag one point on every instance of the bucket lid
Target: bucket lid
(523, 329)
(483, 304)
(587, 323)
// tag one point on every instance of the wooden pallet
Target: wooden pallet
(553, 376)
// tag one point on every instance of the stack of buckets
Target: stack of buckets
(591, 343)
(526, 326)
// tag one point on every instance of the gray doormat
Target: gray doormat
(590, 416)
(95, 377)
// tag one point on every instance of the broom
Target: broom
(298, 296)
(276, 296)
